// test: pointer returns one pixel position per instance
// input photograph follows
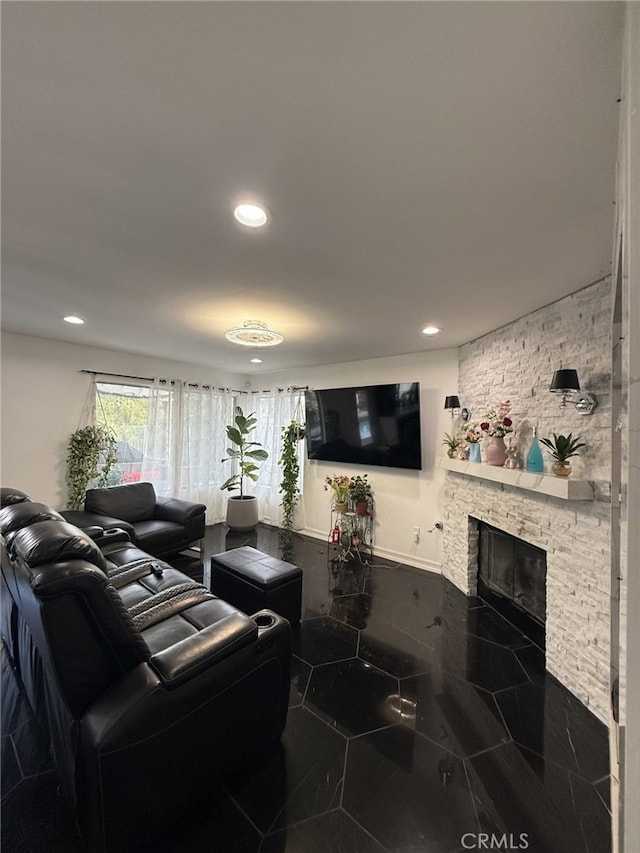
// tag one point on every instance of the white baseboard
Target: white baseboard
(386, 553)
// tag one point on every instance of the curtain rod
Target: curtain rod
(270, 390)
(150, 379)
(117, 375)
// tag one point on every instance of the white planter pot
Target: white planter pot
(242, 513)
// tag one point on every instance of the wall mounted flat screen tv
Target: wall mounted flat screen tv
(366, 425)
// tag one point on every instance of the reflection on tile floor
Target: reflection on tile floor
(418, 719)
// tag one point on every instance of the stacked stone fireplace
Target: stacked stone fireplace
(576, 541)
(516, 363)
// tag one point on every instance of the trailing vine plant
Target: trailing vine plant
(289, 489)
(91, 454)
(290, 472)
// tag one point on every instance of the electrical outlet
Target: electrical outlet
(416, 534)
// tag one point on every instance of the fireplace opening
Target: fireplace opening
(512, 578)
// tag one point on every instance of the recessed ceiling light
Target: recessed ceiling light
(251, 215)
(73, 318)
(256, 361)
(430, 330)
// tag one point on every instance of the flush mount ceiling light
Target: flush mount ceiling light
(430, 330)
(251, 215)
(253, 333)
(256, 361)
(73, 319)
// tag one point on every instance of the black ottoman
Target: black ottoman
(251, 581)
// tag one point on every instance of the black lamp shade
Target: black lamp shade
(565, 380)
(452, 402)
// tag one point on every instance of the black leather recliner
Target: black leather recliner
(150, 687)
(160, 526)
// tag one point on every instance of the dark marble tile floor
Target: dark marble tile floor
(418, 720)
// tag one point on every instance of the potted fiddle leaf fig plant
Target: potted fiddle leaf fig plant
(562, 448)
(91, 456)
(242, 509)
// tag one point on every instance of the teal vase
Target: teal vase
(474, 452)
(535, 462)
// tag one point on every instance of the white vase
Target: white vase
(242, 512)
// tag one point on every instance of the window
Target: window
(125, 409)
(173, 434)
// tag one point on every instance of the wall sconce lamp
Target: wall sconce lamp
(565, 382)
(453, 402)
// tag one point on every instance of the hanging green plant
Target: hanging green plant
(91, 454)
(290, 463)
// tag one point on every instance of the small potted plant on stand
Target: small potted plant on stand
(562, 448)
(360, 493)
(242, 510)
(339, 485)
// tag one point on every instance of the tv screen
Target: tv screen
(366, 425)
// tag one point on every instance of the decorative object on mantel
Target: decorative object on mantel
(472, 435)
(452, 442)
(496, 425)
(562, 448)
(535, 462)
(566, 382)
(514, 459)
(496, 451)
(474, 452)
(339, 485)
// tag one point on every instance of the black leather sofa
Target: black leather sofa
(160, 526)
(151, 688)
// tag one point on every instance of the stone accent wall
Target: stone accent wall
(517, 363)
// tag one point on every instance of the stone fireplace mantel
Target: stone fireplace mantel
(543, 484)
(562, 519)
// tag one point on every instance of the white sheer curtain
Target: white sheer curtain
(205, 414)
(185, 441)
(274, 410)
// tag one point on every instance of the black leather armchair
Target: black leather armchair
(160, 526)
(150, 687)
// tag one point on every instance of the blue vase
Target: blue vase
(535, 462)
(474, 452)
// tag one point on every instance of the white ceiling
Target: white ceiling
(423, 162)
